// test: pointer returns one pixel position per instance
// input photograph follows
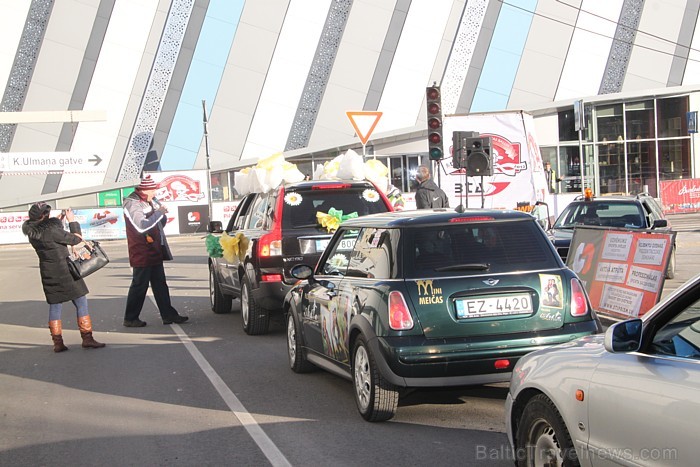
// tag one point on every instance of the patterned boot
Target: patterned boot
(56, 335)
(85, 326)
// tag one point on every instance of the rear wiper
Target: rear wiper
(465, 267)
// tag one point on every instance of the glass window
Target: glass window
(674, 159)
(671, 116)
(611, 167)
(338, 258)
(375, 255)
(640, 120)
(680, 337)
(641, 167)
(609, 123)
(567, 126)
(302, 205)
(472, 248)
(257, 213)
(570, 169)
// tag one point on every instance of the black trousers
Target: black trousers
(142, 277)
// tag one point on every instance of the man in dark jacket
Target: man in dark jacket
(428, 194)
(50, 241)
(145, 218)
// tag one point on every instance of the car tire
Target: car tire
(256, 319)
(671, 271)
(542, 437)
(297, 359)
(376, 398)
(220, 303)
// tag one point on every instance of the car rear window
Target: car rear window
(301, 206)
(609, 214)
(478, 248)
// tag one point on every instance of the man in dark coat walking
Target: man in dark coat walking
(148, 248)
(50, 241)
(428, 194)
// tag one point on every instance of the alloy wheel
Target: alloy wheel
(363, 377)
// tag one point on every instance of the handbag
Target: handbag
(88, 259)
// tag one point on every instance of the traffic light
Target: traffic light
(434, 107)
(479, 160)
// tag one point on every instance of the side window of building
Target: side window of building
(375, 254)
(256, 220)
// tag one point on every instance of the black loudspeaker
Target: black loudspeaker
(478, 157)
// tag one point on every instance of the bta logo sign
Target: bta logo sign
(193, 216)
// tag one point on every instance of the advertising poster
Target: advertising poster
(679, 196)
(178, 189)
(623, 271)
(518, 173)
(11, 227)
(100, 224)
(224, 211)
(193, 218)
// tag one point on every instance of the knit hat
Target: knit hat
(147, 184)
(38, 209)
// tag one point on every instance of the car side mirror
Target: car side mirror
(624, 337)
(659, 223)
(215, 227)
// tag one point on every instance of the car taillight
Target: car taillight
(400, 318)
(579, 305)
(270, 244)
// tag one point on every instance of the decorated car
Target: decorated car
(431, 298)
(270, 232)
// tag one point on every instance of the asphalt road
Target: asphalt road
(205, 393)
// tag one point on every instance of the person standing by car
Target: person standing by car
(50, 241)
(428, 194)
(148, 248)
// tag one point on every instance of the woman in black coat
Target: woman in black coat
(49, 239)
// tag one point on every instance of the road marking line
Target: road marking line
(268, 448)
(273, 454)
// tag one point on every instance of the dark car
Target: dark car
(431, 298)
(275, 230)
(622, 212)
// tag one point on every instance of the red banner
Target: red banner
(680, 195)
(623, 271)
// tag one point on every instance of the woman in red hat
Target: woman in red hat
(50, 241)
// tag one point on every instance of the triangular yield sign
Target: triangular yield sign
(364, 123)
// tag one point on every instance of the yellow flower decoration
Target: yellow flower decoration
(331, 220)
(233, 246)
(328, 222)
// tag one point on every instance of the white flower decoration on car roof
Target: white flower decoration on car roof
(293, 199)
(370, 195)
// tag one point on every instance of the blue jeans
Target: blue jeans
(81, 307)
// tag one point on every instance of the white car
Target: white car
(630, 396)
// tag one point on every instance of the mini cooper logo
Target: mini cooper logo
(491, 282)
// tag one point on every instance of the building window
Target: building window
(671, 116)
(639, 117)
(609, 123)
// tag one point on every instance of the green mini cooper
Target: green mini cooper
(431, 298)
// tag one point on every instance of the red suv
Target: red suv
(276, 231)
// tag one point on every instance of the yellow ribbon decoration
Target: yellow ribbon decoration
(328, 222)
(233, 246)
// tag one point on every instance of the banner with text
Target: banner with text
(679, 196)
(518, 173)
(623, 271)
